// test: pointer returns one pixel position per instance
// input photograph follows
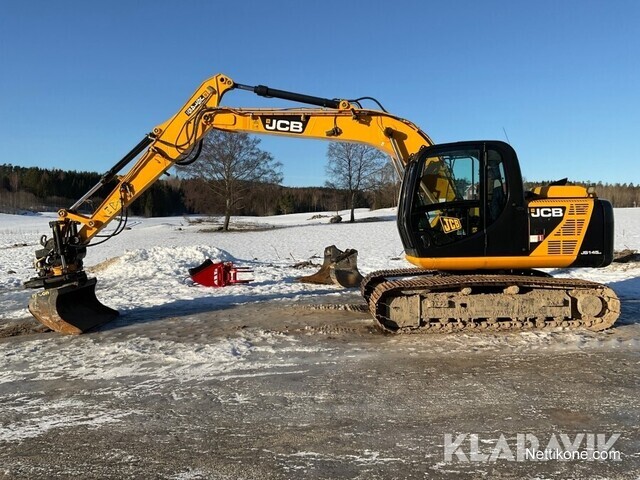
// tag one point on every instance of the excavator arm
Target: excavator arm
(68, 303)
(172, 141)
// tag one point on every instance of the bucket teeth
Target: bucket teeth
(339, 268)
(71, 309)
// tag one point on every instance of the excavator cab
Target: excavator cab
(463, 207)
(463, 199)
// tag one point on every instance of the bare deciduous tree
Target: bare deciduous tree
(229, 164)
(387, 188)
(353, 167)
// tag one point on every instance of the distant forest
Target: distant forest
(38, 189)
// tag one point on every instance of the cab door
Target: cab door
(506, 223)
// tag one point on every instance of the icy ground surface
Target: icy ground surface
(250, 381)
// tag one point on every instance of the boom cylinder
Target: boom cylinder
(264, 91)
(110, 175)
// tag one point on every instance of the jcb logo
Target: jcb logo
(280, 124)
(450, 224)
(546, 212)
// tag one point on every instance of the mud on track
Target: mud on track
(296, 391)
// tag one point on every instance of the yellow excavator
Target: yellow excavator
(466, 223)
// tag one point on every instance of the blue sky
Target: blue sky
(81, 82)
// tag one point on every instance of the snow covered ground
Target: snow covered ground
(249, 382)
(151, 260)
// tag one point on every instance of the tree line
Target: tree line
(39, 189)
(225, 173)
(621, 195)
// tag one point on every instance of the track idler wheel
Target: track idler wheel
(71, 309)
(339, 268)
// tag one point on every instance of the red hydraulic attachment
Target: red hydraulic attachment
(219, 274)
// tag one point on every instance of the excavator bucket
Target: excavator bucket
(338, 268)
(344, 271)
(71, 309)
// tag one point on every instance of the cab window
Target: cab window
(447, 205)
(496, 185)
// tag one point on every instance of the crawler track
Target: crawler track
(419, 301)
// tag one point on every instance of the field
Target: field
(276, 379)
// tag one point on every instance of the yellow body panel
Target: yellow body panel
(561, 191)
(491, 263)
(567, 237)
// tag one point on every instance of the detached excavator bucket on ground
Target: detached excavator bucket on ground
(71, 309)
(339, 268)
